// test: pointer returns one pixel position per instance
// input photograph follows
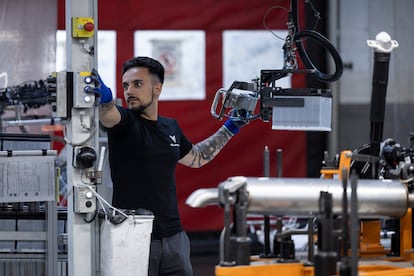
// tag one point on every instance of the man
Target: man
(144, 149)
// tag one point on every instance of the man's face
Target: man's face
(140, 90)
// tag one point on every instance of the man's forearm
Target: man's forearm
(109, 114)
(204, 151)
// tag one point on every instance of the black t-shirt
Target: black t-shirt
(143, 155)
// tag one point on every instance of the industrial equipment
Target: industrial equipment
(283, 197)
(306, 109)
(31, 176)
(384, 168)
(76, 112)
(381, 180)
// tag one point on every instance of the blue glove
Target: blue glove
(237, 120)
(100, 90)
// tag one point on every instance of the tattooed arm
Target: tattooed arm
(204, 151)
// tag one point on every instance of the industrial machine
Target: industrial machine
(338, 230)
(306, 198)
(75, 112)
(90, 229)
(361, 197)
(306, 109)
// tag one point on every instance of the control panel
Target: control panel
(84, 199)
(82, 27)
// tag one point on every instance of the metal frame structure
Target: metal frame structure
(83, 250)
(25, 188)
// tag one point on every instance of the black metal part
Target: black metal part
(345, 268)
(326, 257)
(309, 34)
(323, 41)
(225, 247)
(311, 243)
(31, 94)
(279, 163)
(370, 167)
(240, 250)
(378, 97)
(266, 220)
(355, 231)
(284, 249)
(241, 242)
(235, 245)
(273, 96)
(85, 157)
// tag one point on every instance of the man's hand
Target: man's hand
(237, 119)
(100, 90)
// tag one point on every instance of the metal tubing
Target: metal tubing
(266, 162)
(287, 196)
(345, 230)
(299, 196)
(345, 269)
(203, 198)
(355, 227)
(29, 122)
(279, 163)
(266, 230)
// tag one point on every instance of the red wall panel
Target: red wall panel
(244, 153)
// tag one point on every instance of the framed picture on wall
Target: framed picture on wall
(246, 52)
(183, 55)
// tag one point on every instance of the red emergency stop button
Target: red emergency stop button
(88, 26)
(83, 27)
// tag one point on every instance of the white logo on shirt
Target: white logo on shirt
(172, 137)
(174, 141)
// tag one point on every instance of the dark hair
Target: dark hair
(154, 66)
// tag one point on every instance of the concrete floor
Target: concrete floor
(204, 252)
(204, 265)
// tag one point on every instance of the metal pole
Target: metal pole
(80, 57)
(266, 231)
(334, 36)
(279, 165)
(52, 244)
(383, 46)
(345, 269)
(354, 225)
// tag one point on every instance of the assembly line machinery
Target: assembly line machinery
(340, 232)
(82, 237)
(29, 177)
(344, 236)
(344, 210)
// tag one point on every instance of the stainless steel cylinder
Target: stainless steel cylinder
(300, 196)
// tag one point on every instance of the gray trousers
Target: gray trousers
(170, 256)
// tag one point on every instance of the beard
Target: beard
(140, 109)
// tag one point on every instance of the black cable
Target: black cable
(85, 219)
(324, 42)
